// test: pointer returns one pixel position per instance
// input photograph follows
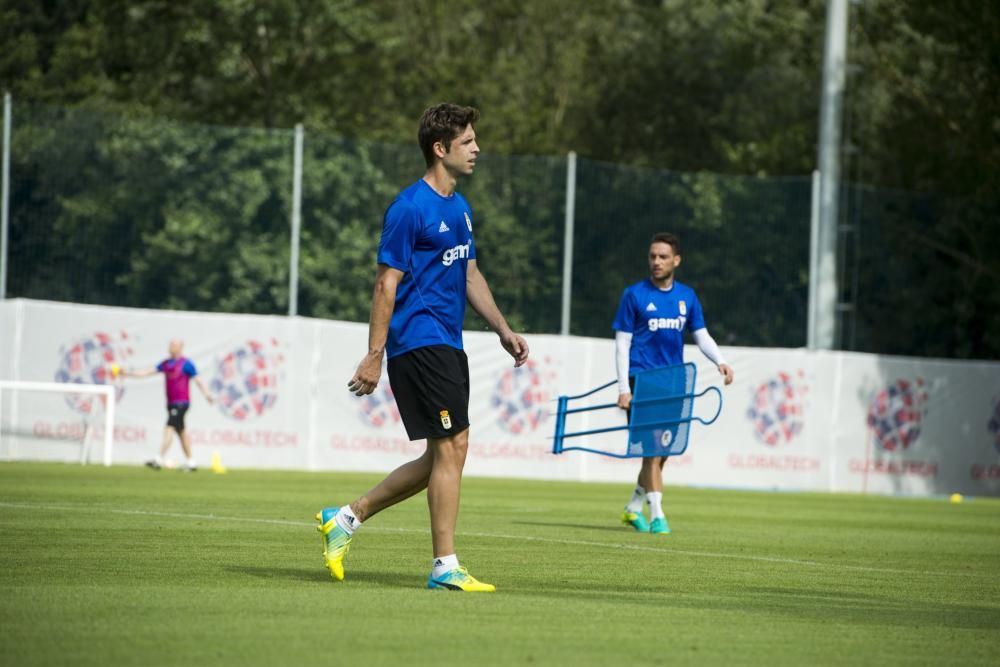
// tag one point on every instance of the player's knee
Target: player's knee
(452, 450)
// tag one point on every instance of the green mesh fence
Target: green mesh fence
(744, 248)
(141, 212)
(138, 212)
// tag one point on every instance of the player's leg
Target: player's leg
(181, 428)
(168, 437)
(405, 481)
(338, 524)
(444, 489)
(657, 520)
(633, 516)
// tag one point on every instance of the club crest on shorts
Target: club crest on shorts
(667, 437)
(445, 419)
(682, 307)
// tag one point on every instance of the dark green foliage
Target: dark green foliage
(111, 204)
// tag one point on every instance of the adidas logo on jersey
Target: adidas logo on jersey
(651, 307)
(443, 227)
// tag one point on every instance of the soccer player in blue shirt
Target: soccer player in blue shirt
(649, 333)
(426, 271)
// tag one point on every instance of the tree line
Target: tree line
(700, 117)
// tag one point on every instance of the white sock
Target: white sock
(443, 564)
(655, 500)
(347, 520)
(638, 497)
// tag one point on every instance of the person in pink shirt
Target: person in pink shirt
(178, 371)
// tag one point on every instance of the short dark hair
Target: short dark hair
(443, 122)
(670, 239)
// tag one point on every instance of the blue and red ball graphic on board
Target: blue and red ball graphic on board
(777, 408)
(895, 412)
(246, 379)
(521, 396)
(88, 360)
(379, 408)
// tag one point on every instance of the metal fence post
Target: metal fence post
(293, 262)
(834, 79)
(5, 196)
(812, 314)
(567, 291)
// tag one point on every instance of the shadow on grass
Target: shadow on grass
(800, 603)
(309, 574)
(320, 575)
(615, 529)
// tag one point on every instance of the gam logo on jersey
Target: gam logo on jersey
(895, 413)
(993, 425)
(246, 379)
(451, 254)
(88, 360)
(379, 408)
(777, 408)
(521, 396)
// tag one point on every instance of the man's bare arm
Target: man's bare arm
(383, 301)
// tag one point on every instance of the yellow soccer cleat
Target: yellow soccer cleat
(459, 579)
(336, 541)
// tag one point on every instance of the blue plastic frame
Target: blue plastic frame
(563, 409)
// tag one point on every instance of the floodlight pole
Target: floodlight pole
(5, 196)
(823, 309)
(567, 290)
(293, 262)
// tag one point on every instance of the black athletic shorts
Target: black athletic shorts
(431, 386)
(175, 415)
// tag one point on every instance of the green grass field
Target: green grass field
(120, 566)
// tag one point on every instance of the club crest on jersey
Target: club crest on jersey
(443, 228)
(651, 307)
(468, 221)
(681, 306)
(445, 419)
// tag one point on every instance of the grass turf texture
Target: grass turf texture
(130, 566)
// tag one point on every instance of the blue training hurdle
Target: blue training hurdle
(659, 417)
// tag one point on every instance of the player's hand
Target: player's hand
(727, 372)
(624, 401)
(367, 376)
(211, 401)
(516, 347)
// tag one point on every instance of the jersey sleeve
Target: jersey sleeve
(399, 235)
(696, 319)
(625, 317)
(162, 366)
(189, 368)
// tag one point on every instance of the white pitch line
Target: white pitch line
(499, 536)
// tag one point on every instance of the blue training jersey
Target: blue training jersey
(429, 238)
(657, 320)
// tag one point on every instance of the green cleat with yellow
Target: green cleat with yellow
(659, 526)
(637, 520)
